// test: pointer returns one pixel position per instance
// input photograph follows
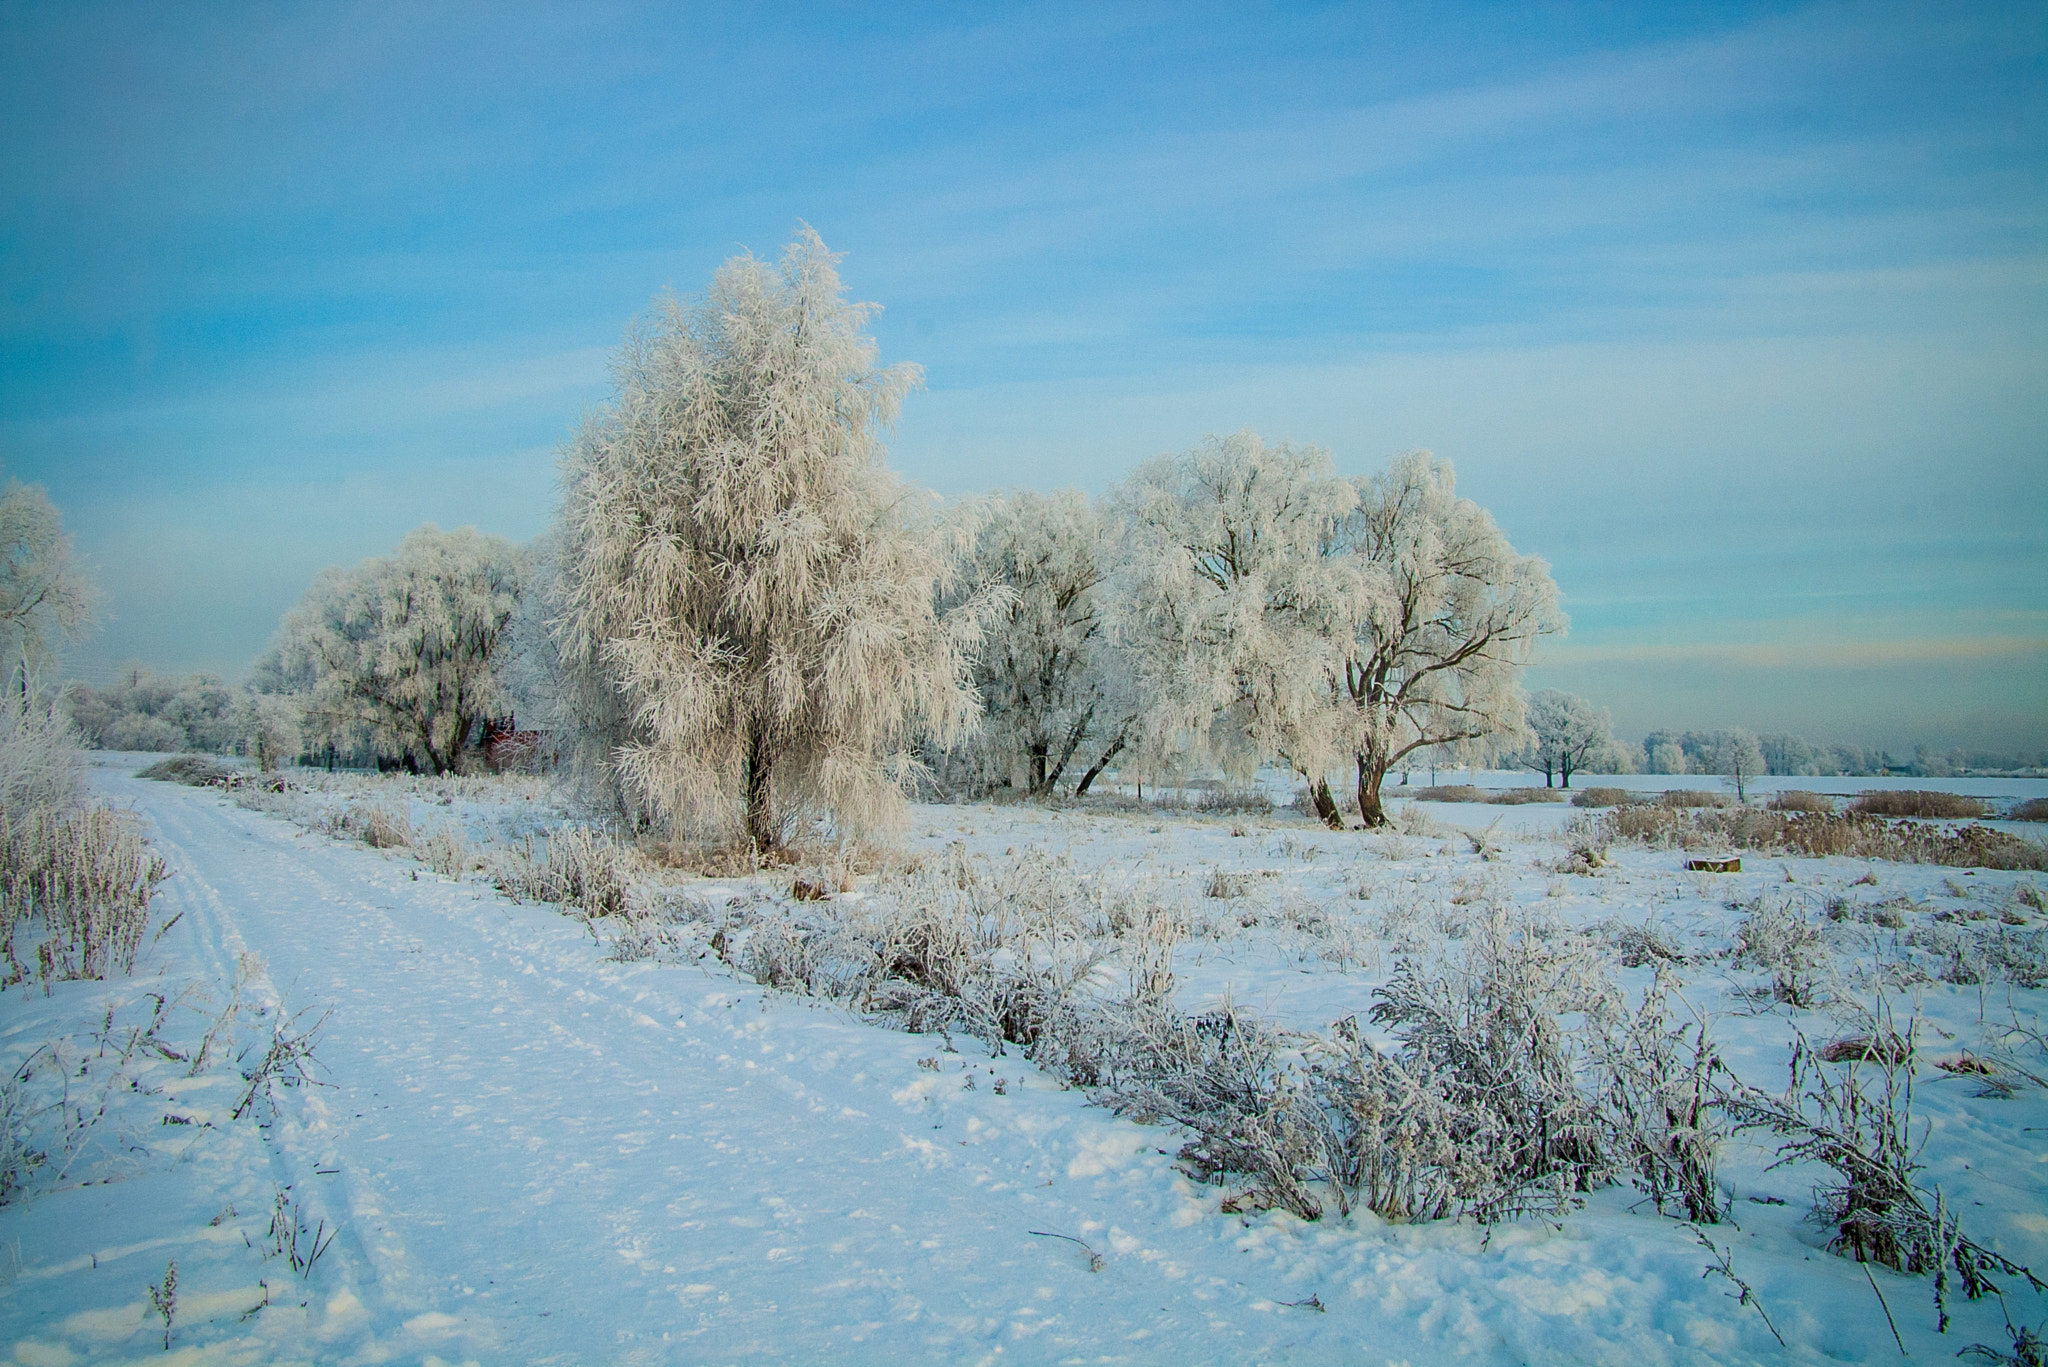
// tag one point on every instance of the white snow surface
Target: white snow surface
(532, 1153)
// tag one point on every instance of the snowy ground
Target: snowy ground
(530, 1152)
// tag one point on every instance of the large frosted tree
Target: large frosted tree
(1455, 615)
(1273, 608)
(400, 652)
(1234, 604)
(754, 582)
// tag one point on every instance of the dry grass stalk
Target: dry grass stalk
(80, 881)
(1857, 1119)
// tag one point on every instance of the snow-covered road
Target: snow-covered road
(535, 1154)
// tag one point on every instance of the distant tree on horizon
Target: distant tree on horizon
(398, 653)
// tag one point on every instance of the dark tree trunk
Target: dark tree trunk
(1080, 729)
(1326, 806)
(1564, 768)
(1037, 753)
(1115, 748)
(763, 832)
(1371, 770)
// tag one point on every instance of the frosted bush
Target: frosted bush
(38, 757)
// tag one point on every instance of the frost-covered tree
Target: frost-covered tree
(1044, 670)
(1738, 758)
(1788, 754)
(1235, 604)
(1275, 608)
(1566, 734)
(1454, 616)
(46, 597)
(399, 653)
(739, 563)
(268, 726)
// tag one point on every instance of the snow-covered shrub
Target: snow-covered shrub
(1489, 1106)
(1005, 951)
(194, 771)
(75, 886)
(1001, 952)
(1243, 1088)
(1821, 835)
(146, 711)
(38, 758)
(574, 866)
(1658, 1084)
(1687, 798)
(1800, 800)
(655, 934)
(1487, 1023)
(135, 732)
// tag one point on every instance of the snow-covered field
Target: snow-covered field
(525, 1148)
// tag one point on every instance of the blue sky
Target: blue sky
(1736, 314)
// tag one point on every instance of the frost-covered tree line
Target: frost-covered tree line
(743, 622)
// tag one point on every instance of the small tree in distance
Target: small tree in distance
(1567, 734)
(399, 652)
(737, 562)
(1739, 758)
(1042, 672)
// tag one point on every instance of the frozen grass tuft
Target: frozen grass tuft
(1855, 1117)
